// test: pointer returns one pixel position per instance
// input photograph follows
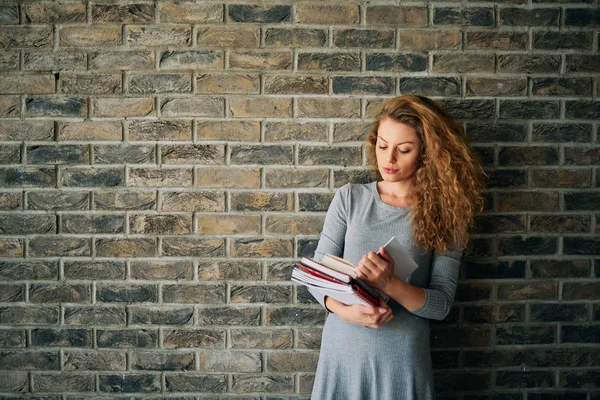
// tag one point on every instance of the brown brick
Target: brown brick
(56, 246)
(295, 84)
(159, 83)
(123, 107)
(160, 130)
(296, 131)
(126, 247)
(364, 38)
(193, 293)
(163, 224)
(89, 37)
(54, 13)
(528, 155)
(528, 291)
(296, 178)
(191, 59)
(261, 201)
(260, 107)
(327, 155)
(26, 36)
(193, 201)
(261, 60)
(249, 270)
(10, 106)
(528, 201)
(193, 247)
(193, 107)
(327, 15)
(228, 177)
(194, 13)
(261, 338)
(561, 178)
(289, 362)
(461, 63)
(293, 224)
(228, 224)
(228, 37)
(497, 40)
(282, 37)
(480, 86)
(228, 84)
(107, 200)
(155, 177)
(398, 16)
(26, 130)
(430, 40)
(11, 201)
(261, 248)
(27, 84)
(121, 60)
(350, 131)
(193, 154)
(123, 14)
(560, 223)
(247, 131)
(91, 83)
(161, 270)
(329, 61)
(194, 338)
(328, 108)
(158, 35)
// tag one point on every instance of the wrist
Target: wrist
(392, 283)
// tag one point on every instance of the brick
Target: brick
(94, 270)
(63, 293)
(364, 38)
(29, 315)
(529, 155)
(499, 223)
(228, 178)
(125, 154)
(260, 107)
(562, 40)
(581, 201)
(228, 224)
(552, 312)
(299, 37)
(158, 35)
(29, 360)
(302, 131)
(110, 200)
(221, 36)
(126, 293)
(582, 109)
(562, 87)
(65, 154)
(527, 246)
(295, 84)
(9, 15)
(27, 270)
(70, 60)
(290, 225)
(329, 61)
(90, 37)
(154, 361)
(291, 362)
(123, 14)
(127, 338)
(92, 84)
(294, 316)
(529, 109)
(9, 61)
(92, 177)
(14, 382)
(578, 379)
(121, 60)
(164, 130)
(262, 14)
(191, 13)
(192, 154)
(314, 201)
(528, 63)
(15, 37)
(583, 246)
(469, 109)
(261, 339)
(228, 84)
(296, 178)
(122, 107)
(10, 154)
(581, 291)
(458, 337)
(49, 246)
(27, 84)
(12, 338)
(471, 16)
(525, 335)
(247, 131)
(561, 178)
(10, 106)
(231, 315)
(261, 60)
(161, 270)
(56, 107)
(126, 247)
(160, 224)
(27, 130)
(279, 271)
(11, 201)
(430, 40)
(161, 315)
(90, 131)
(193, 107)
(579, 334)
(191, 59)
(266, 382)
(306, 247)
(438, 86)
(226, 270)
(64, 382)
(328, 108)
(476, 291)
(194, 339)
(195, 383)
(94, 360)
(582, 63)
(394, 15)
(129, 383)
(260, 248)
(262, 155)
(495, 314)
(533, 17)
(582, 17)
(495, 270)
(193, 201)
(528, 291)
(94, 315)
(159, 83)
(561, 133)
(327, 15)
(308, 338)
(363, 85)
(195, 294)
(507, 179)
(560, 269)
(193, 247)
(497, 40)
(463, 63)
(12, 292)
(260, 294)
(510, 379)
(477, 86)
(560, 223)
(350, 131)
(230, 361)
(159, 177)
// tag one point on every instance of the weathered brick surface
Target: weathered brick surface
(164, 163)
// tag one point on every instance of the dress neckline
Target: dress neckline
(377, 197)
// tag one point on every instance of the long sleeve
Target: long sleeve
(439, 294)
(332, 234)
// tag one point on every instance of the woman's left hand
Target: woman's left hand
(377, 270)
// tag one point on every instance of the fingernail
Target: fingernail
(381, 310)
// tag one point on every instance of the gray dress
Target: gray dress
(392, 362)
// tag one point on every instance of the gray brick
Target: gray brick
(262, 154)
(64, 382)
(12, 292)
(193, 339)
(129, 383)
(295, 84)
(299, 37)
(472, 16)
(127, 338)
(92, 315)
(368, 38)
(193, 201)
(265, 382)
(225, 270)
(329, 61)
(156, 35)
(193, 107)
(124, 14)
(161, 270)
(28, 177)
(244, 316)
(92, 224)
(463, 62)
(70, 60)
(14, 382)
(26, 37)
(92, 177)
(121, 60)
(126, 293)
(261, 60)
(562, 40)
(27, 130)
(396, 62)
(192, 59)
(200, 13)
(107, 200)
(290, 362)
(61, 293)
(56, 107)
(260, 294)
(296, 178)
(261, 338)
(92, 84)
(57, 200)
(12, 338)
(49, 337)
(30, 315)
(162, 315)
(196, 294)
(48, 246)
(193, 247)
(163, 83)
(195, 383)
(29, 360)
(497, 40)
(155, 177)
(9, 61)
(9, 15)
(294, 316)
(24, 224)
(431, 86)
(28, 270)
(12, 247)
(11, 201)
(126, 247)
(230, 361)
(118, 154)
(160, 361)
(264, 14)
(193, 154)
(160, 224)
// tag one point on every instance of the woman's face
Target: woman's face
(398, 149)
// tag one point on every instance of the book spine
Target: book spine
(365, 296)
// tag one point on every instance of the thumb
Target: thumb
(382, 310)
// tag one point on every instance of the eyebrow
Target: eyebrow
(398, 143)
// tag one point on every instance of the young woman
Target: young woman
(427, 191)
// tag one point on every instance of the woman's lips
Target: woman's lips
(389, 170)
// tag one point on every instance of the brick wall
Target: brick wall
(164, 163)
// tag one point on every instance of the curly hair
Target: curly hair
(448, 184)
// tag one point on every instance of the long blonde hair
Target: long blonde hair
(449, 181)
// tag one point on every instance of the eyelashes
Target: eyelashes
(400, 151)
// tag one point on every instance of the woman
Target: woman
(427, 191)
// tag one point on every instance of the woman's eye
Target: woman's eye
(404, 151)
(382, 148)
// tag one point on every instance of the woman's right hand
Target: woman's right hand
(372, 317)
